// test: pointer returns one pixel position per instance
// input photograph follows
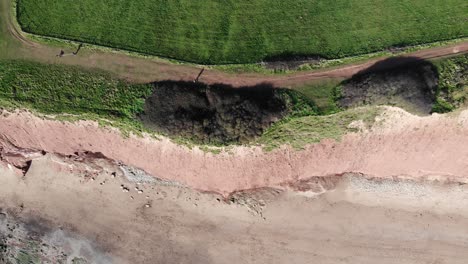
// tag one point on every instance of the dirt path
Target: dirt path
(146, 69)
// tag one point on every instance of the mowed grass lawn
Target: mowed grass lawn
(243, 31)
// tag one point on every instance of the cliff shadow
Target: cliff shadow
(219, 113)
(406, 82)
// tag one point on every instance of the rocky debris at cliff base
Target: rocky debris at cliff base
(140, 176)
(32, 240)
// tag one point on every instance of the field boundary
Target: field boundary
(242, 68)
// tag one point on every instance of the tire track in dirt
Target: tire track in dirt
(17, 34)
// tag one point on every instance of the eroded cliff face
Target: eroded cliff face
(399, 144)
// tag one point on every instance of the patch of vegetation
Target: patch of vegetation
(302, 131)
(220, 114)
(25, 257)
(323, 94)
(245, 31)
(79, 261)
(68, 89)
(452, 91)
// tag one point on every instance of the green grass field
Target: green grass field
(68, 89)
(243, 31)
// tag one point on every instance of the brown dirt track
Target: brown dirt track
(149, 70)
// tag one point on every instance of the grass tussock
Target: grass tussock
(452, 91)
(302, 131)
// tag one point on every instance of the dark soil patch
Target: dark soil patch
(219, 114)
(409, 83)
